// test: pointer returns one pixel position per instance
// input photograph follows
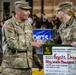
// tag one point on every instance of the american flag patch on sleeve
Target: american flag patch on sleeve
(9, 27)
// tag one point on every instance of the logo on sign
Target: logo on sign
(40, 34)
(47, 50)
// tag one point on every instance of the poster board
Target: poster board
(59, 60)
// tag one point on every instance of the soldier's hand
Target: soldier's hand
(40, 67)
(73, 44)
(37, 43)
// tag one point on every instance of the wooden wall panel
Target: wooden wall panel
(49, 6)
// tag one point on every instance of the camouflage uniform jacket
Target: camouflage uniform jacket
(67, 31)
(16, 44)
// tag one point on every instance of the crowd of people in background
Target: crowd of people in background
(38, 22)
(44, 23)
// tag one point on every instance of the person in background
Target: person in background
(1, 24)
(36, 22)
(5, 18)
(54, 23)
(12, 14)
(43, 14)
(18, 44)
(30, 19)
(44, 23)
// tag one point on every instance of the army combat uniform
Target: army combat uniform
(17, 50)
(68, 31)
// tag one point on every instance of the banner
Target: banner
(42, 34)
(59, 60)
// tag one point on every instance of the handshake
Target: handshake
(37, 43)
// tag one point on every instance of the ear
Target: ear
(18, 11)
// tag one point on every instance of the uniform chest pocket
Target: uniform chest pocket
(66, 33)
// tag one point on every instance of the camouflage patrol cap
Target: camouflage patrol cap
(64, 5)
(22, 4)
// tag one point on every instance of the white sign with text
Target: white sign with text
(61, 62)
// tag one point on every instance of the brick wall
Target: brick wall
(37, 7)
(49, 6)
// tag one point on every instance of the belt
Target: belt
(22, 68)
(22, 51)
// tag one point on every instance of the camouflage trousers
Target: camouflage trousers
(11, 71)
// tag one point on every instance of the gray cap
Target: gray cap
(22, 4)
(44, 17)
(64, 5)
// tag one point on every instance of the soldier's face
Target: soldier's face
(60, 14)
(24, 14)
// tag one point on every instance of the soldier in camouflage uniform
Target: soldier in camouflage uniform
(67, 29)
(18, 43)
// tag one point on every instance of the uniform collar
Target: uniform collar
(69, 22)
